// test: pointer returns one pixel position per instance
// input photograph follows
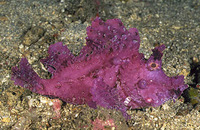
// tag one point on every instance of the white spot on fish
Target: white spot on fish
(127, 101)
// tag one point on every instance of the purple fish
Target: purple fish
(109, 71)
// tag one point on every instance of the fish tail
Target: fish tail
(25, 76)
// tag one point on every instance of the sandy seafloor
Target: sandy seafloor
(28, 27)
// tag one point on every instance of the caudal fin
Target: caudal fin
(25, 76)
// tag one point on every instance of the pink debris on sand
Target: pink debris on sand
(109, 72)
(101, 125)
(57, 106)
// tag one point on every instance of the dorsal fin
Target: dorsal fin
(59, 57)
